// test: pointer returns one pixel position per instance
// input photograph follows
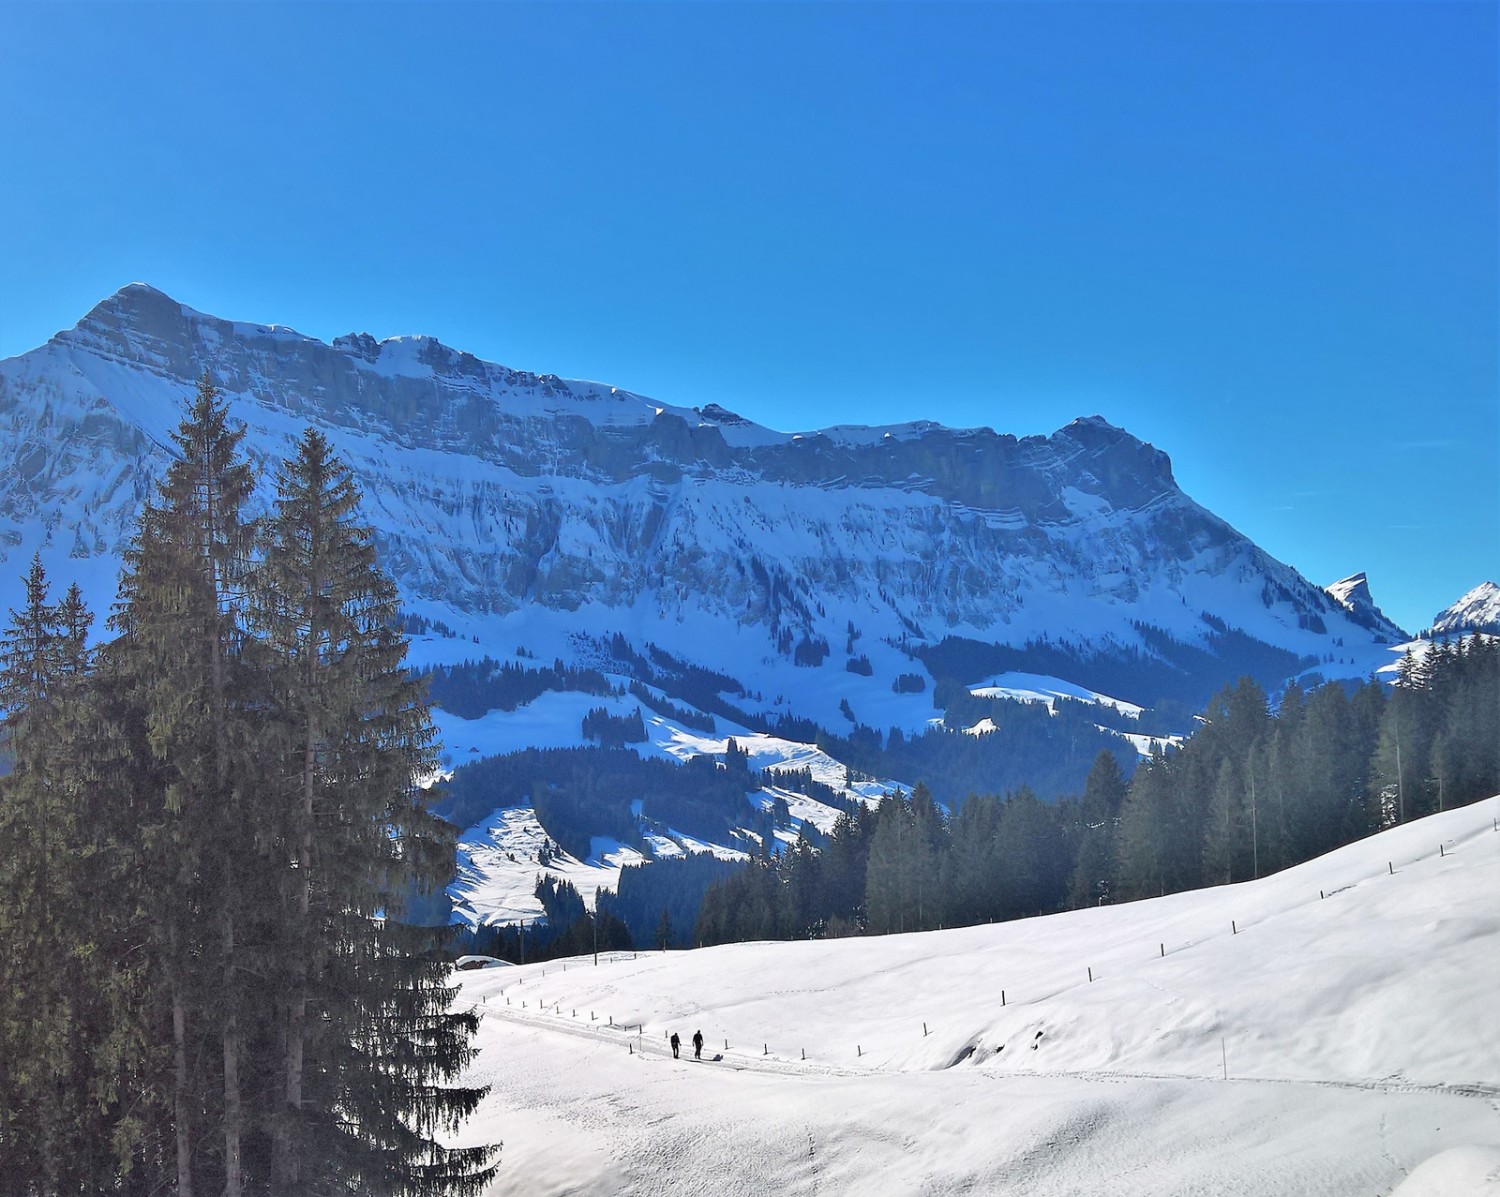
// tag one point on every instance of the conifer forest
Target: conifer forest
(1253, 791)
(213, 821)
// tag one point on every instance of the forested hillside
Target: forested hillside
(1255, 790)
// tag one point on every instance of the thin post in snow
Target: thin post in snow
(804, 1053)
(1163, 948)
(726, 1045)
(1002, 997)
(1321, 895)
(1440, 849)
(1224, 1051)
(924, 1030)
(1391, 868)
(1233, 927)
(765, 1049)
(1091, 974)
(858, 1051)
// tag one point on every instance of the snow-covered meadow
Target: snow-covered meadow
(1333, 1029)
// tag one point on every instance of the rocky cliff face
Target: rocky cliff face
(1353, 594)
(503, 495)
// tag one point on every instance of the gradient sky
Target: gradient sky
(1262, 236)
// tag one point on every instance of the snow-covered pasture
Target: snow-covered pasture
(1328, 1030)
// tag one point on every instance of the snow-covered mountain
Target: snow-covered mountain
(1477, 611)
(524, 509)
(786, 581)
(1353, 594)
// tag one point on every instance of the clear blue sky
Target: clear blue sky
(1262, 236)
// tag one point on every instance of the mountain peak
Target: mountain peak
(1477, 611)
(1351, 592)
(134, 303)
(1353, 595)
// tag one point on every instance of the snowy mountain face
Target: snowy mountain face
(835, 578)
(1353, 594)
(1477, 611)
(509, 500)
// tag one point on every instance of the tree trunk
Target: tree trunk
(234, 1116)
(180, 1087)
(286, 1166)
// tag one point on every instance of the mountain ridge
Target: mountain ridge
(525, 505)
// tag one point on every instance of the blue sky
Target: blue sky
(1262, 236)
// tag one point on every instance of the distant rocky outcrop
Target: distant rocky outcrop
(1353, 594)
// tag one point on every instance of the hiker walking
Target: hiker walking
(676, 1043)
(697, 1045)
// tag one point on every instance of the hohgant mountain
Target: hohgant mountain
(847, 586)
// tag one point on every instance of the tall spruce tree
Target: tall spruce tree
(1093, 866)
(34, 826)
(70, 1110)
(181, 618)
(370, 1044)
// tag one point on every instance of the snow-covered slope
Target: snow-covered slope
(523, 508)
(1326, 1031)
(1477, 611)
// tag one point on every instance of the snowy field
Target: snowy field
(1333, 1029)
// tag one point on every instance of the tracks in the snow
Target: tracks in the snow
(649, 1048)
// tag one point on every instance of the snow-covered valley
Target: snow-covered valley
(1328, 1030)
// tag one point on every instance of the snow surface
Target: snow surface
(1035, 687)
(1329, 1030)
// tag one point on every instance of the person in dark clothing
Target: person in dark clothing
(697, 1045)
(676, 1043)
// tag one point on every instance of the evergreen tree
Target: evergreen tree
(1398, 762)
(369, 1039)
(1147, 843)
(72, 1108)
(181, 620)
(972, 878)
(1032, 859)
(1103, 795)
(38, 830)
